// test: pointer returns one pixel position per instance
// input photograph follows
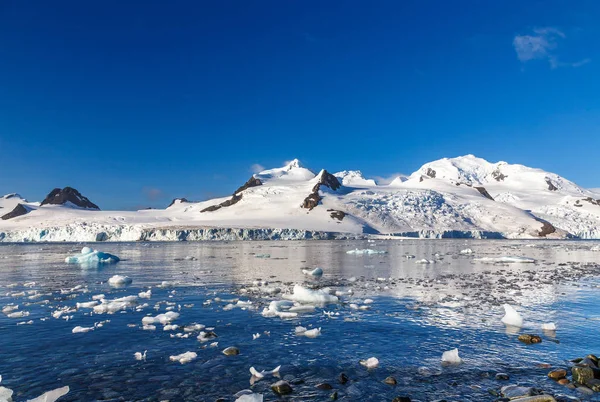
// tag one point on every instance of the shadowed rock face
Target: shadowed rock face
(19, 210)
(498, 175)
(551, 186)
(546, 229)
(326, 179)
(431, 173)
(68, 194)
(484, 192)
(339, 215)
(177, 199)
(233, 200)
(252, 182)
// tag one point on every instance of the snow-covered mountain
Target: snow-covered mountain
(459, 197)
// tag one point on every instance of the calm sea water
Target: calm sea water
(418, 312)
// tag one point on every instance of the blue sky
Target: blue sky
(134, 103)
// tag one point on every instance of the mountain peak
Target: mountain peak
(66, 195)
(294, 163)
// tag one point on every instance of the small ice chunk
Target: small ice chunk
(308, 296)
(145, 295)
(252, 397)
(98, 297)
(10, 308)
(550, 326)
(139, 355)
(164, 319)
(466, 251)
(424, 261)
(368, 301)
(118, 281)
(451, 357)
(312, 333)
(90, 304)
(112, 306)
(51, 396)
(255, 336)
(18, 314)
(79, 330)
(370, 363)
(317, 272)
(511, 316)
(506, 259)
(264, 373)
(184, 357)
(300, 330)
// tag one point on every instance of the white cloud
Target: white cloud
(256, 168)
(542, 44)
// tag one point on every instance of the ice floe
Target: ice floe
(140, 355)
(112, 306)
(184, 357)
(317, 272)
(511, 316)
(550, 326)
(79, 330)
(305, 295)
(164, 319)
(89, 256)
(118, 281)
(506, 260)
(365, 251)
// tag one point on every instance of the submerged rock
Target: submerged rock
(390, 381)
(231, 351)
(343, 378)
(324, 386)
(557, 374)
(282, 388)
(530, 339)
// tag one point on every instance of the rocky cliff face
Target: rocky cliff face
(19, 210)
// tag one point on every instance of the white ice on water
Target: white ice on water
(305, 295)
(118, 281)
(89, 256)
(164, 319)
(506, 260)
(451, 357)
(264, 373)
(184, 357)
(370, 363)
(550, 326)
(252, 397)
(317, 272)
(365, 251)
(79, 330)
(112, 306)
(140, 355)
(511, 316)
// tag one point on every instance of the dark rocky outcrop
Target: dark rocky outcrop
(498, 175)
(551, 185)
(227, 203)
(68, 194)
(325, 179)
(546, 229)
(177, 199)
(484, 192)
(252, 182)
(19, 210)
(431, 173)
(592, 201)
(339, 215)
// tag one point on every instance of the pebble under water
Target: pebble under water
(417, 310)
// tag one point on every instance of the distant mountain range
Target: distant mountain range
(465, 197)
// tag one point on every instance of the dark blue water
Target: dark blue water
(420, 312)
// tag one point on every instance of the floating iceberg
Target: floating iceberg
(365, 251)
(89, 256)
(308, 296)
(451, 357)
(79, 330)
(251, 397)
(512, 317)
(112, 306)
(140, 355)
(264, 373)
(51, 396)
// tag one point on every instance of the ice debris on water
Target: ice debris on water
(550, 326)
(451, 357)
(370, 363)
(305, 295)
(466, 251)
(89, 256)
(79, 330)
(184, 357)
(262, 374)
(112, 306)
(506, 260)
(511, 316)
(255, 336)
(145, 295)
(164, 319)
(139, 355)
(119, 281)
(365, 251)
(309, 333)
(51, 396)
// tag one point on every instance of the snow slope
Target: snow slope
(459, 197)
